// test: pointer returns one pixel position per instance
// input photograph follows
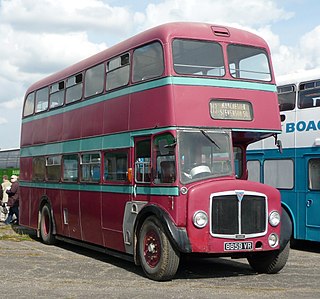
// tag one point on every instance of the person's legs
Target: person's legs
(9, 218)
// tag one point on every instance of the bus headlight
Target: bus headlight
(274, 218)
(273, 240)
(200, 219)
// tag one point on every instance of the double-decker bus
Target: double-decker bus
(9, 162)
(139, 150)
(295, 171)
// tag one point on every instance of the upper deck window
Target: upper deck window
(309, 95)
(247, 62)
(118, 71)
(200, 58)
(29, 105)
(94, 81)
(286, 97)
(57, 94)
(42, 99)
(74, 88)
(148, 62)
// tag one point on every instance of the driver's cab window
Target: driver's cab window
(143, 161)
(164, 153)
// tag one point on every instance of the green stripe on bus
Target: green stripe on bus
(123, 189)
(119, 140)
(155, 84)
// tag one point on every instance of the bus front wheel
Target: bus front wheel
(158, 258)
(270, 262)
(46, 226)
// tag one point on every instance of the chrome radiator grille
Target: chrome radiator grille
(238, 216)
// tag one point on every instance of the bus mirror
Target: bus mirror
(129, 175)
(278, 143)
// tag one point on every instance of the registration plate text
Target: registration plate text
(230, 246)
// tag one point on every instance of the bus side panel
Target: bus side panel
(113, 206)
(157, 104)
(90, 211)
(116, 115)
(72, 125)
(70, 208)
(24, 206)
(27, 130)
(92, 120)
(55, 127)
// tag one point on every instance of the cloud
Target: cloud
(3, 120)
(247, 13)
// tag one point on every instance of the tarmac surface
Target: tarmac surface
(31, 269)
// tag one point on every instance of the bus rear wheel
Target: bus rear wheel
(270, 262)
(46, 226)
(158, 258)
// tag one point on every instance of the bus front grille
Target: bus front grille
(236, 217)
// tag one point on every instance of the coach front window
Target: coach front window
(204, 154)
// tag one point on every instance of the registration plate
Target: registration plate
(233, 246)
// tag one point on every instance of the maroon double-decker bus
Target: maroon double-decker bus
(139, 150)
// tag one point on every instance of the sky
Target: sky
(41, 37)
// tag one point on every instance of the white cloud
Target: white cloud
(246, 13)
(3, 120)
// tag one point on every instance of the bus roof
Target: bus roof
(163, 33)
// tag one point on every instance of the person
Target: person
(3, 207)
(13, 200)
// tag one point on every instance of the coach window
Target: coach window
(29, 105)
(90, 167)
(94, 81)
(278, 173)
(70, 168)
(314, 174)
(164, 151)
(115, 166)
(254, 171)
(118, 71)
(42, 99)
(74, 88)
(287, 97)
(147, 62)
(309, 95)
(200, 58)
(38, 168)
(53, 165)
(143, 161)
(57, 94)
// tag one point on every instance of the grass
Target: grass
(13, 233)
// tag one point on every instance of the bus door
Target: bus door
(312, 199)
(140, 191)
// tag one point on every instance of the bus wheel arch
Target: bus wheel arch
(287, 228)
(46, 223)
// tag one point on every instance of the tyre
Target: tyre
(158, 258)
(270, 262)
(46, 225)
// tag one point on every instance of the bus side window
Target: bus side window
(57, 94)
(29, 105)
(90, 167)
(53, 165)
(74, 88)
(118, 71)
(143, 161)
(38, 169)
(70, 168)
(42, 99)
(94, 81)
(314, 174)
(116, 166)
(147, 62)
